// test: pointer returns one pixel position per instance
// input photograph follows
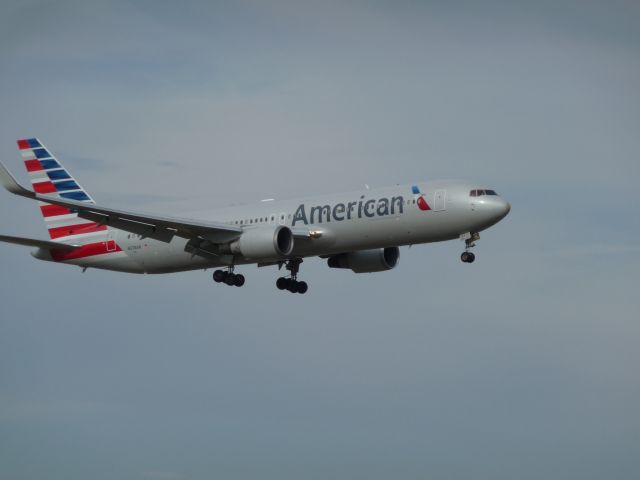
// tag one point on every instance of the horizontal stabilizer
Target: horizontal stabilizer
(34, 242)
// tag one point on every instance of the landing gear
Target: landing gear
(469, 242)
(292, 284)
(467, 257)
(228, 277)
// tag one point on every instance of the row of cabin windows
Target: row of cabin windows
(273, 218)
(257, 220)
(478, 193)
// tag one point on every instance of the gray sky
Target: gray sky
(523, 365)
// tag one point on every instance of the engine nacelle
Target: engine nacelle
(264, 243)
(367, 261)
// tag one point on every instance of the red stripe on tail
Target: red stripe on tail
(76, 230)
(53, 210)
(33, 165)
(44, 187)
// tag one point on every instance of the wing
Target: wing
(147, 225)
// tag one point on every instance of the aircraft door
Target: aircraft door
(440, 200)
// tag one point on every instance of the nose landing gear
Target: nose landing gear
(467, 257)
(292, 284)
(228, 277)
(469, 241)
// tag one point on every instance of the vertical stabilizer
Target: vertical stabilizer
(49, 177)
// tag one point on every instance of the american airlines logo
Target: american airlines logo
(420, 201)
(346, 211)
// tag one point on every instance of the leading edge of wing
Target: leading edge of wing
(148, 225)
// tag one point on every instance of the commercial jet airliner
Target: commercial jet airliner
(360, 230)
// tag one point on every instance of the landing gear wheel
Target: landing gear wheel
(218, 276)
(467, 257)
(238, 280)
(292, 285)
(231, 279)
(302, 287)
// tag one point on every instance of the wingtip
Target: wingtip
(11, 184)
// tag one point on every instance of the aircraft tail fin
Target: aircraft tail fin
(49, 177)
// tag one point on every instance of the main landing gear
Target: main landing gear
(292, 284)
(469, 242)
(228, 277)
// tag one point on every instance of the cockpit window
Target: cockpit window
(479, 192)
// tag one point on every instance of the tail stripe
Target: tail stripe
(33, 165)
(29, 143)
(49, 164)
(41, 153)
(78, 195)
(49, 210)
(78, 229)
(66, 185)
(58, 175)
(44, 187)
(51, 178)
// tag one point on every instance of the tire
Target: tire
(281, 283)
(465, 257)
(230, 280)
(302, 287)
(292, 285)
(218, 276)
(239, 280)
(471, 258)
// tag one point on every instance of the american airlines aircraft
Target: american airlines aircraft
(360, 230)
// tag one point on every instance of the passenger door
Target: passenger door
(440, 200)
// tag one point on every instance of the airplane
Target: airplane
(360, 230)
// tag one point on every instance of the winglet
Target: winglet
(11, 184)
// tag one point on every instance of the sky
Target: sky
(522, 365)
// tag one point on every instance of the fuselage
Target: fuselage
(338, 223)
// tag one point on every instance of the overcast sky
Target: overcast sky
(522, 365)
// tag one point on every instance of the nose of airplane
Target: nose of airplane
(501, 208)
(506, 208)
(490, 209)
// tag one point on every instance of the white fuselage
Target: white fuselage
(338, 223)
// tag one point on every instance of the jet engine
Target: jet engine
(264, 243)
(367, 261)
